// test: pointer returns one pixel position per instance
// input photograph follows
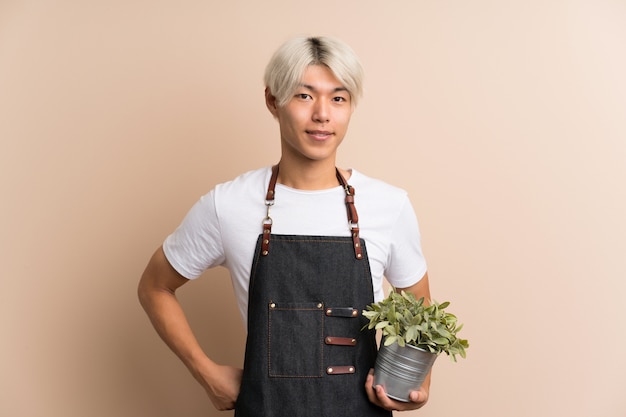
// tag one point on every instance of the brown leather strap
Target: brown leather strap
(267, 221)
(340, 341)
(353, 217)
(272, 185)
(339, 370)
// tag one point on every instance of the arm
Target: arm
(418, 398)
(156, 291)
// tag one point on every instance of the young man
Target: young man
(305, 269)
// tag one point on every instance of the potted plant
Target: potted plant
(414, 334)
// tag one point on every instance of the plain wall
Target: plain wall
(504, 120)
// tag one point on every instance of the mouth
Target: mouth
(319, 134)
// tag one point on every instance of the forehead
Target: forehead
(320, 78)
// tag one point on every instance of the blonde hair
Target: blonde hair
(286, 68)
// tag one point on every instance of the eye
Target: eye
(304, 96)
(340, 99)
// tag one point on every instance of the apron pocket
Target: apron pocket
(296, 339)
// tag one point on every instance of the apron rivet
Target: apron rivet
(359, 256)
(265, 252)
(354, 313)
(351, 369)
(320, 305)
(330, 370)
(272, 305)
(266, 241)
(329, 340)
(329, 312)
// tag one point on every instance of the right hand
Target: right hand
(222, 384)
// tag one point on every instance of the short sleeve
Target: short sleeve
(196, 244)
(406, 264)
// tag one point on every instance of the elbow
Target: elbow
(142, 292)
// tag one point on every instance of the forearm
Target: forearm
(170, 322)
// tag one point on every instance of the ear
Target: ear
(270, 102)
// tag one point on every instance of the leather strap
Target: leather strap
(353, 217)
(272, 186)
(339, 370)
(340, 341)
(269, 202)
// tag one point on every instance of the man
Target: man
(320, 256)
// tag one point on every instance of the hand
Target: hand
(377, 395)
(222, 384)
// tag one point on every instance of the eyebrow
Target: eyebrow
(335, 90)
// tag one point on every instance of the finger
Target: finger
(414, 396)
(370, 389)
(417, 399)
(384, 401)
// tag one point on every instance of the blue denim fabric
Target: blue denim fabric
(286, 362)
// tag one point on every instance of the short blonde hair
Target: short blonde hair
(286, 68)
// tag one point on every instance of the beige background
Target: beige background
(505, 120)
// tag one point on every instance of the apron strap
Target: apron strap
(353, 217)
(267, 221)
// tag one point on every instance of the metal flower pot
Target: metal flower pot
(402, 369)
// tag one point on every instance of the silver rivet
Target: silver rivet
(359, 256)
(357, 245)
(351, 369)
(354, 341)
(272, 305)
(319, 305)
(329, 312)
(330, 370)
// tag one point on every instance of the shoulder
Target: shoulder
(242, 197)
(373, 187)
(379, 203)
(250, 184)
(252, 180)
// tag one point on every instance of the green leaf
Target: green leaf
(444, 333)
(411, 333)
(382, 324)
(389, 340)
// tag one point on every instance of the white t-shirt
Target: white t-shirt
(222, 228)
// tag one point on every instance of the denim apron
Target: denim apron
(306, 354)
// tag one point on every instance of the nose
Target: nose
(321, 112)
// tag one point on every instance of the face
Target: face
(315, 120)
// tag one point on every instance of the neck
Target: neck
(315, 175)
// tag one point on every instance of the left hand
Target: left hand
(377, 395)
